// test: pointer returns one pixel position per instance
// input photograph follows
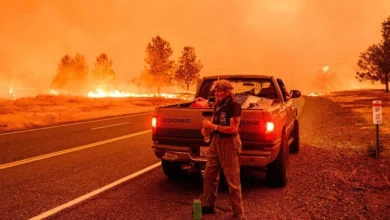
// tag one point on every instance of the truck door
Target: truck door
(289, 105)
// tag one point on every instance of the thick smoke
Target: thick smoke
(277, 37)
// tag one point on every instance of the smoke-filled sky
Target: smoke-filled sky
(278, 37)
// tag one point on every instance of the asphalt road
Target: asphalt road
(29, 189)
(94, 170)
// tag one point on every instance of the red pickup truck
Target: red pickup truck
(269, 128)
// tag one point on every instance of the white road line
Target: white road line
(93, 193)
(110, 125)
(45, 156)
(77, 123)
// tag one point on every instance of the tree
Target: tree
(61, 78)
(71, 75)
(385, 62)
(188, 68)
(79, 77)
(386, 30)
(103, 75)
(158, 70)
(374, 63)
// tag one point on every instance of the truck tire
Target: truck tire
(277, 169)
(172, 170)
(294, 146)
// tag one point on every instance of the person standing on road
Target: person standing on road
(225, 149)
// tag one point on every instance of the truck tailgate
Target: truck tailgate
(252, 126)
(181, 122)
(183, 125)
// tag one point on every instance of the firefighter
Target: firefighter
(225, 149)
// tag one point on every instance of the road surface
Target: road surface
(106, 169)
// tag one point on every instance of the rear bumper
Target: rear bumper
(185, 154)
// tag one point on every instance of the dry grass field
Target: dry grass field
(46, 110)
(360, 103)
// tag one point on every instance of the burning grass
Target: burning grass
(45, 110)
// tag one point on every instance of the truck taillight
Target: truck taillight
(270, 127)
(270, 134)
(154, 125)
(154, 122)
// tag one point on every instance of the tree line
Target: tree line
(374, 63)
(73, 75)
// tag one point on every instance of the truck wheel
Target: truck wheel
(172, 170)
(294, 146)
(277, 170)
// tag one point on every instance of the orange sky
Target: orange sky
(275, 37)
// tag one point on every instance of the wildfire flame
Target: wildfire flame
(53, 92)
(316, 94)
(12, 93)
(116, 93)
(100, 93)
(325, 69)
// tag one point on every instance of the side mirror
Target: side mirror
(295, 94)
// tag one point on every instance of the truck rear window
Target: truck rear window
(257, 87)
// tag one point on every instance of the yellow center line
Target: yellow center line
(45, 156)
